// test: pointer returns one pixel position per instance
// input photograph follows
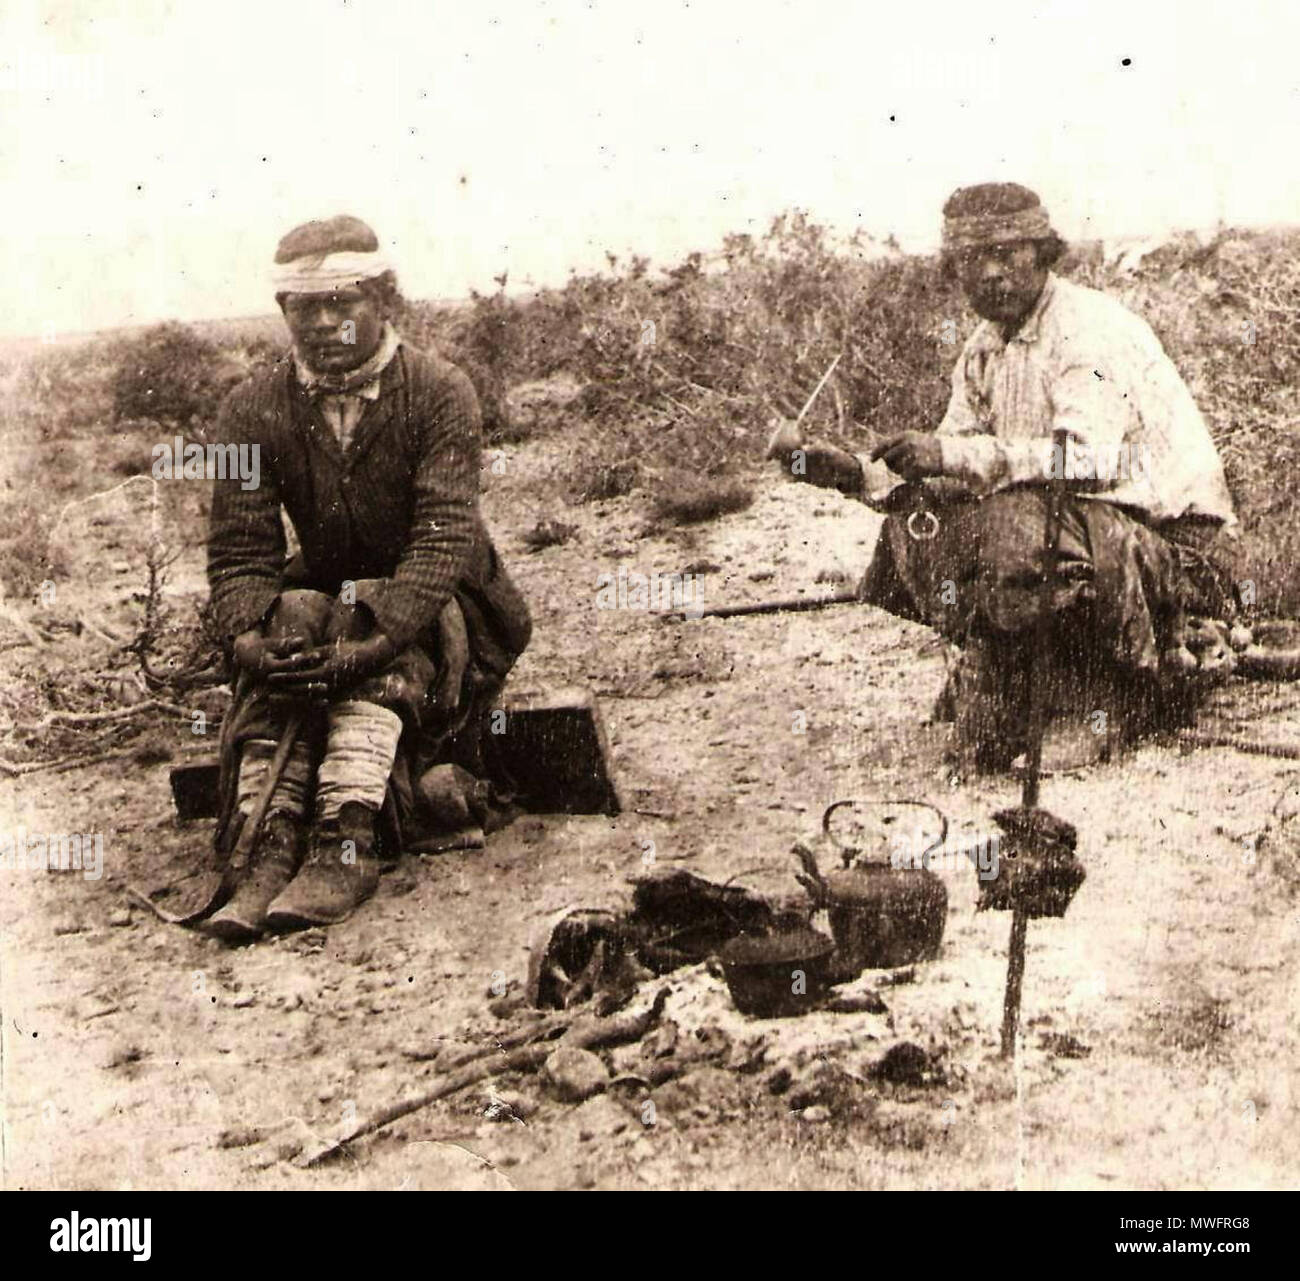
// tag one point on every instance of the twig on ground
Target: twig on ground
(62, 766)
(51, 719)
(588, 1032)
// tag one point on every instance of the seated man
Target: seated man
(1057, 382)
(388, 634)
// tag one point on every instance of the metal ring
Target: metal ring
(934, 526)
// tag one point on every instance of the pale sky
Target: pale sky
(153, 151)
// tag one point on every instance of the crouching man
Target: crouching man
(963, 548)
(380, 645)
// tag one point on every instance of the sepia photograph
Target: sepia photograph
(683, 597)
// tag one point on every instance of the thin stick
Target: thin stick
(524, 1058)
(816, 391)
(262, 802)
(196, 910)
(64, 765)
(50, 719)
(1015, 977)
(783, 432)
(793, 605)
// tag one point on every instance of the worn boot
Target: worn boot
(270, 867)
(339, 873)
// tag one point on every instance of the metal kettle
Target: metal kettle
(884, 911)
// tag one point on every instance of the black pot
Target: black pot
(777, 975)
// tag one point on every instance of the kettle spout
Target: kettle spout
(810, 877)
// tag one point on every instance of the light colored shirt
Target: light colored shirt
(342, 411)
(1084, 363)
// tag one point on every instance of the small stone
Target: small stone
(661, 1042)
(575, 1075)
(903, 1064)
(120, 918)
(747, 1056)
(68, 925)
(507, 1006)
(816, 1114)
(244, 1000)
(600, 1118)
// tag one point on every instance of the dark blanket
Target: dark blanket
(972, 568)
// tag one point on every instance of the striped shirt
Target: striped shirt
(1083, 363)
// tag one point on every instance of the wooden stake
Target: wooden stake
(1015, 977)
(1038, 711)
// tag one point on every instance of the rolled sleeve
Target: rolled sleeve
(968, 451)
(1088, 405)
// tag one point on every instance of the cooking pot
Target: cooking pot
(777, 975)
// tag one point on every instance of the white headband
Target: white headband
(323, 273)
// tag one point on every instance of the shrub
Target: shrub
(691, 499)
(480, 337)
(169, 373)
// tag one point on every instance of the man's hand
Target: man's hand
(828, 467)
(330, 668)
(914, 455)
(257, 654)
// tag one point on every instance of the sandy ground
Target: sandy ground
(1160, 1013)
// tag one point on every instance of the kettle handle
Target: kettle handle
(847, 854)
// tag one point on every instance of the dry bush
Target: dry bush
(168, 373)
(694, 499)
(480, 338)
(681, 370)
